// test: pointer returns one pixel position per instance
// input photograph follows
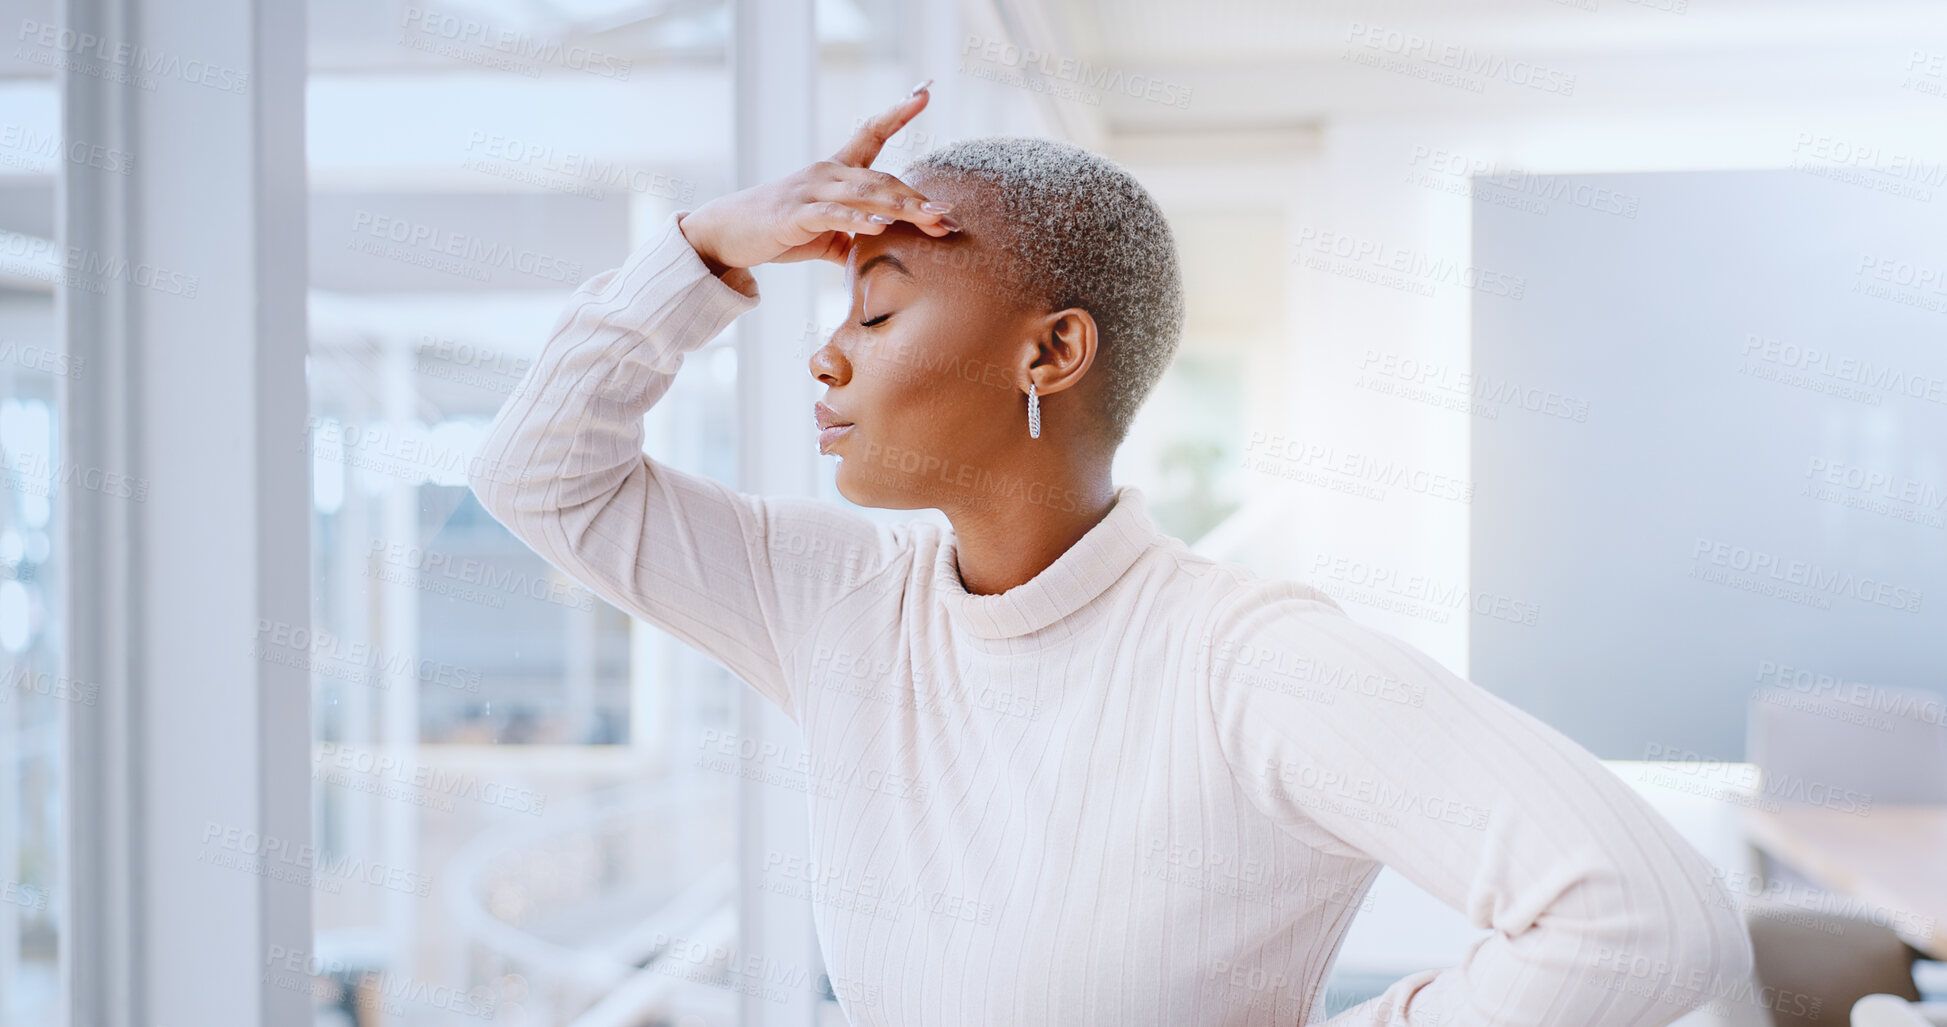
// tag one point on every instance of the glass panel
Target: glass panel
(36, 696)
(866, 63)
(510, 822)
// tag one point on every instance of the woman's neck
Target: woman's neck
(1002, 546)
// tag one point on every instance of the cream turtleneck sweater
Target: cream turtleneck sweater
(1144, 787)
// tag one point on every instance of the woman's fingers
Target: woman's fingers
(832, 216)
(864, 146)
(876, 192)
(832, 246)
(817, 210)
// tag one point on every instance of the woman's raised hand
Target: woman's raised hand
(814, 212)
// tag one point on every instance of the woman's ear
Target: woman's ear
(1067, 343)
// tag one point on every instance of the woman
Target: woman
(1080, 774)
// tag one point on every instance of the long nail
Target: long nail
(949, 224)
(935, 207)
(879, 219)
(918, 89)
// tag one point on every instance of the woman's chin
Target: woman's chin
(867, 490)
(855, 492)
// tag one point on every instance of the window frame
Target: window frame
(774, 76)
(192, 730)
(201, 396)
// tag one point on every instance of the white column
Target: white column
(199, 396)
(10, 751)
(774, 68)
(399, 641)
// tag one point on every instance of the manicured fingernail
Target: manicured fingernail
(935, 207)
(879, 219)
(949, 224)
(918, 89)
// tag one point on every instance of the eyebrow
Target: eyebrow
(890, 261)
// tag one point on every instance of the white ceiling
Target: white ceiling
(1229, 31)
(1262, 63)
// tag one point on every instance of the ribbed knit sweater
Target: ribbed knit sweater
(1144, 787)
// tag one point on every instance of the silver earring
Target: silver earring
(1034, 413)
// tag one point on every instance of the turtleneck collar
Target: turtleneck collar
(1073, 581)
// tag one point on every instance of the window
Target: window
(512, 755)
(36, 695)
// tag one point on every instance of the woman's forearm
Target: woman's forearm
(562, 467)
(562, 464)
(572, 429)
(1600, 913)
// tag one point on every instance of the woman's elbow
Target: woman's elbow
(498, 486)
(1715, 949)
(1701, 947)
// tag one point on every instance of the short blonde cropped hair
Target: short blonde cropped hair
(1084, 234)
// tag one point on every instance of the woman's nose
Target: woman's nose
(828, 365)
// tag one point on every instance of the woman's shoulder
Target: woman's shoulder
(1235, 584)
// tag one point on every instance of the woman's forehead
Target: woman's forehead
(903, 251)
(893, 253)
(971, 256)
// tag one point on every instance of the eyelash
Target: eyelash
(874, 321)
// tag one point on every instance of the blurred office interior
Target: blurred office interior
(1592, 346)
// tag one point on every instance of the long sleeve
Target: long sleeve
(1601, 915)
(737, 576)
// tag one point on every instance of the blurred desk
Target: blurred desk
(1893, 858)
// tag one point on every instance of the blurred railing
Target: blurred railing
(578, 907)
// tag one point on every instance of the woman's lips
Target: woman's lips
(832, 434)
(830, 423)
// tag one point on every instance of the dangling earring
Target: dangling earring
(1034, 413)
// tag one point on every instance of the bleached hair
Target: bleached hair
(1084, 233)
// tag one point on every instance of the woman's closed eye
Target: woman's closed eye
(877, 320)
